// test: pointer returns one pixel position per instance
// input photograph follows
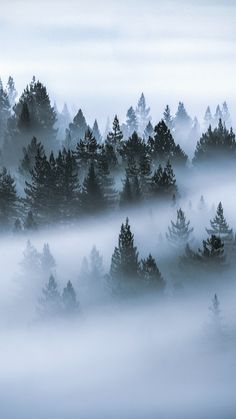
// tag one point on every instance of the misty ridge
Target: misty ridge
(118, 256)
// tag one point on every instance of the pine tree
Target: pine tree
(182, 123)
(168, 119)
(78, 128)
(212, 254)
(96, 132)
(151, 274)
(47, 260)
(106, 179)
(208, 119)
(215, 144)
(142, 114)
(218, 115)
(31, 262)
(149, 131)
(162, 146)
(93, 199)
(115, 137)
(132, 149)
(179, 234)
(226, 116)
(124, 263)
(50, 304)
(29, 153)
(9, 201)
(11, 91)
(69, 299)
(131, 122)
(219, 226)
(4, 112)
(163, 183)
(30, 223)
(126, 196)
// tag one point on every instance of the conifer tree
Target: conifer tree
(215, 144)
(47, 260)
(168, 119)
(226, 116)
(162, 146)
(151, 274)
(4, 112)
(115, 137)
(78, 128)
(50, 304)
(96, 132)
(9, 201)
(212, 254)
(208, 119)
(126, 196)
(219, 226)
(149, 131)
(131, 122)
(17, 226)
(179, 234)
(124, 263)
(30, 223)
(29, 153)
(92, 194)
(142, 114)
(11, 91)
(69, 299)
(218, 115)
(106, 179)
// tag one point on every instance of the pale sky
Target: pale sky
(100, 55)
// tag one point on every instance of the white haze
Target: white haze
(144, 358)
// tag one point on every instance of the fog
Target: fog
(132, 358)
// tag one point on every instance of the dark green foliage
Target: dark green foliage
(115, 137)
(124, 263)
(179, 234)
(28, 162)
(132, 149)
(163, 183)
(77, 128)
(210, 258)
(219, 226)
(9, 201)
(106, 179)
(93, 199)
(215, 145)
(149, 131)
(151, 274)
(163, 148)
(131, 193)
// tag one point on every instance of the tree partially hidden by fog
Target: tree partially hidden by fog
(219, 226)
(180, 232)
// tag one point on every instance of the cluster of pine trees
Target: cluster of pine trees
(55, 168)
(130, 275)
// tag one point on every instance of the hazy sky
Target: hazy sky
(101, 55)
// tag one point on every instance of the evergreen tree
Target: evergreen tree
(126, 196)
(29, 153)
(215, 144)
(179, 234)
(142, 114)
(115, 137)
(11, 91)
(50, 304)
(151, 274)
(168, 119)
(219, 226)
(69, 299)
(182, 123)
(218, 116)
(226, 116)
(30, 223)
(31, 262)
(9, 201)
(132, 149)
(106, 179)
(96, 133)
(124, 263)
(47, 260)
(208, 119)
(163, 182)
(4, 112)
(149, 131)
(131, 122)
(78, 128)
(17, 226)
(212, 253)
(92, 195)
(162, 146)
